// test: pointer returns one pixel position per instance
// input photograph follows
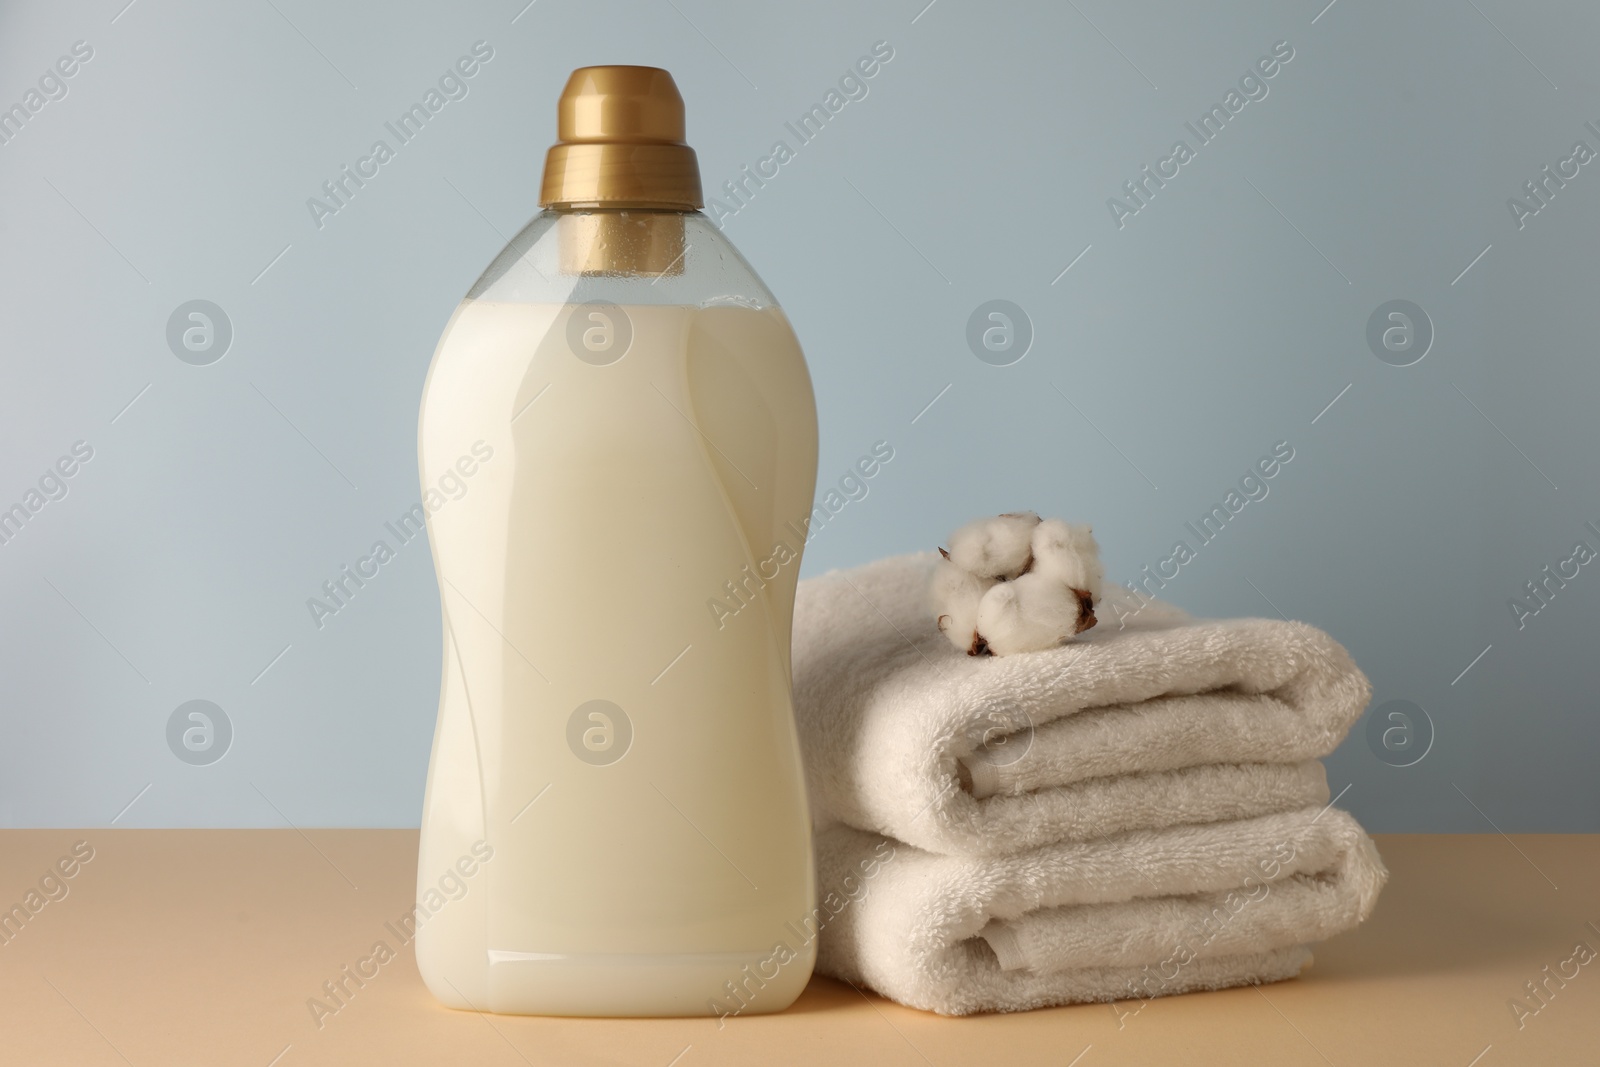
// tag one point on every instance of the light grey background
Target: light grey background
(1222, 318)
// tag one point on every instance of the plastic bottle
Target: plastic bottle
(617, 446)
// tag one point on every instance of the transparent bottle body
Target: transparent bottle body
(617, 446)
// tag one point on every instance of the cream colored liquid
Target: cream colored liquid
(579, 566)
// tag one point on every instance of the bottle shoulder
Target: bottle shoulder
(623, 257)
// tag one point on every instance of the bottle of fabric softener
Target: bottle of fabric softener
(615, 762)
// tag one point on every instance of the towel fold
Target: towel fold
(1138, 915)
(1151, 719)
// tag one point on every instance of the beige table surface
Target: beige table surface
(203, 947)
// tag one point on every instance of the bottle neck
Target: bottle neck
(619, 240)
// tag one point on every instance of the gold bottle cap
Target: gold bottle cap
(620, 143)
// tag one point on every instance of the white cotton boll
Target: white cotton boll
(998, 547)
(953, 595)
(1032, 613)
(1067, 552)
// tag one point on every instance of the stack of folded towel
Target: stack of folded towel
(1137, 813)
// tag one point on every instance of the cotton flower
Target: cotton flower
(1012, 584)
(1032, 613)
(1000, 547)
(954, 595)
(1067, 552)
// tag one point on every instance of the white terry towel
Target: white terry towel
(1164, 720)
(1131, 917)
